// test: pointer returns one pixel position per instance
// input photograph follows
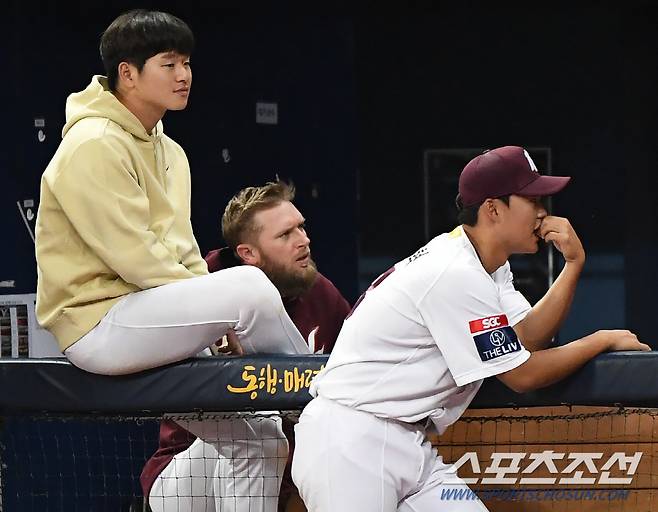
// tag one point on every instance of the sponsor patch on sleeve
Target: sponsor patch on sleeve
(494, 337)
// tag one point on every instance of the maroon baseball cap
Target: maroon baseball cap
(504, 171)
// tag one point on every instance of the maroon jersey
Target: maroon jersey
(318, 314)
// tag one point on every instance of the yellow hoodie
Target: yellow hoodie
(114, 215)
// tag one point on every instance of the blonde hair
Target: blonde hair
(238, 219)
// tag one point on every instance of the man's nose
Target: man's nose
(304, 240)
(184, 74)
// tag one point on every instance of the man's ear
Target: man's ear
(248, 253)
(126, 73)
(490, 210)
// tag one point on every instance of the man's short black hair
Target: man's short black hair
(138, 35)
(469, 215)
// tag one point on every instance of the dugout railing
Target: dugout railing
(71, 440)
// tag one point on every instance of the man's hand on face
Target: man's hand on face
(559, 231)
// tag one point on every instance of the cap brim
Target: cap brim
(545, 186)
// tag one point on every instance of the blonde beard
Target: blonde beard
(290, 284)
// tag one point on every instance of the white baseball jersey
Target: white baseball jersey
(425, 335)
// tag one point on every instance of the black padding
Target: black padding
(202, 384)
(619, 378)
(198, 384)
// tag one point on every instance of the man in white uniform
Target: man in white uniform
(415, 350)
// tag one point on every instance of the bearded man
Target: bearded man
(262, 228)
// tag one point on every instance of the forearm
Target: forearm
(147, 264)
(546, 367)
(104, 202)
(543, 321)
(192, 259)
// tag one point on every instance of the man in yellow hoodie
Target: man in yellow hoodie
(121, 282)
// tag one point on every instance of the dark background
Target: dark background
(362, 92)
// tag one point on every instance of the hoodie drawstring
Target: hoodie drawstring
(160, 162)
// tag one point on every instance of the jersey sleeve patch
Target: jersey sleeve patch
(494, 337)
(490, 322)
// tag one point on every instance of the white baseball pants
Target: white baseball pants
(175, 321)
(238, 471)
(351, 461)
